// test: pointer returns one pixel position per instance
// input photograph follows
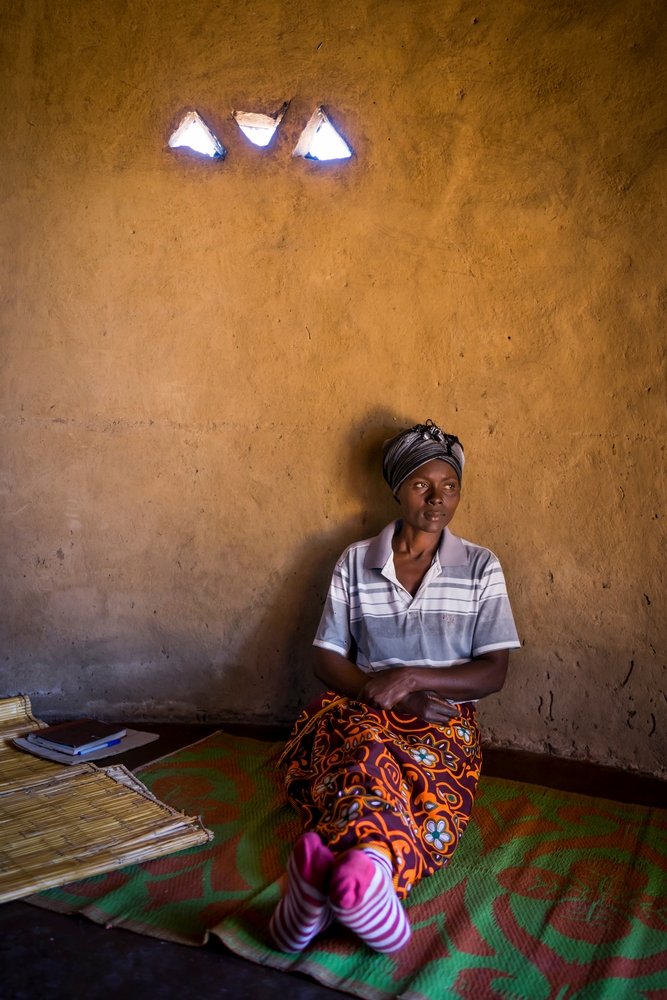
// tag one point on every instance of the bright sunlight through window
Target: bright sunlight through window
(320, 140)
(194, 133)
(260, 129)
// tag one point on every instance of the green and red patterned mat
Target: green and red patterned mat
(550, 896)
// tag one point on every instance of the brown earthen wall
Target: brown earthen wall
(200, 359)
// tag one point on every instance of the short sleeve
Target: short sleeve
(494, 625)
(334, 629)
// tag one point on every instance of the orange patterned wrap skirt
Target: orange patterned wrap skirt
(360, 776)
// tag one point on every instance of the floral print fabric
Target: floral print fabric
(362, 776)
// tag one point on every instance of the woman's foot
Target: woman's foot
(362, 897)
(304, 911)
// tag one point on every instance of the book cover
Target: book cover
(73, 737)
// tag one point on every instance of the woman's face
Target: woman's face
(429, 496)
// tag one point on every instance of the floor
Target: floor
(46, 956)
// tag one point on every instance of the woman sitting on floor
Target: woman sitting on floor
(383, 767)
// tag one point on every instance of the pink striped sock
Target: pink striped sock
(363, 898)
(304, 911)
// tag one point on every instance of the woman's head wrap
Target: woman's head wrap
(403, 454)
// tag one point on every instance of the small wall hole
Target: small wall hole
(260, 129)
(320, 140)
(194, 133)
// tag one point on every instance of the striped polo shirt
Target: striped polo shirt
(461, 609)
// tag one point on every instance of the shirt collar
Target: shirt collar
(451, 551)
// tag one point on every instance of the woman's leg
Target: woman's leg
(393, 786)
(304, 910)
(363, 898)
(364, 777)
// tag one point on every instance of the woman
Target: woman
(383, 767)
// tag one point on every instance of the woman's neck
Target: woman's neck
(412, 543)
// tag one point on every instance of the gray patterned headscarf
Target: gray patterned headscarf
(402, 454)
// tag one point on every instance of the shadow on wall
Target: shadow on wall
(277, 659)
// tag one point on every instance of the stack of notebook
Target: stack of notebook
(83, 739)
(77, 738)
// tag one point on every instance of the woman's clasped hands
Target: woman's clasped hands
(395, 689)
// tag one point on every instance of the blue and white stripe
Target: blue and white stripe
(460, 611)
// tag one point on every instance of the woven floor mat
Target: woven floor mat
(61, 822)
(550, 896)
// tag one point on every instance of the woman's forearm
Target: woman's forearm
(480, 677)
(337, 672)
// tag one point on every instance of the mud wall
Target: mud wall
(200, 359)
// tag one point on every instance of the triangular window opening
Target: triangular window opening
(320, 140)
(194, 133)
(259, 128)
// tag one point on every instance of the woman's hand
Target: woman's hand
(394, 689)
(428, 706)
(483, 675)
(387, 688)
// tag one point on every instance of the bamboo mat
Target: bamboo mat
(59, 824)
(16, 717)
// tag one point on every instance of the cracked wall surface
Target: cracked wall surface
(201, 359)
